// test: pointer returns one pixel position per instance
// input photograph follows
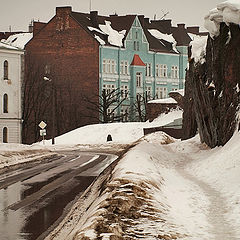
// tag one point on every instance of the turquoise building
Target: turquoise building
(146, 61)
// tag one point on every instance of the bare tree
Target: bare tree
(35, 102)
(106, 105)
(140, 106)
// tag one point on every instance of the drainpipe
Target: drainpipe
(154, 71)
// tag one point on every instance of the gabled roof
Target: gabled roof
(137, 61)
(112, 30)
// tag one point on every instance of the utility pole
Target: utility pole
(53, 114)
(53, 108)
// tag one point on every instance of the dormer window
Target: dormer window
(136, 35)
(5, 70)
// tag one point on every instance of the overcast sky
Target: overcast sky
(18, 13)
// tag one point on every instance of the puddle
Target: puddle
(43, 218)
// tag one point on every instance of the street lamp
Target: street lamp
(53, 109)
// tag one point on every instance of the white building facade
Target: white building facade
(11, 78)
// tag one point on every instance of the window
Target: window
(161, 70)
(124, 114)
(124, 67)
(109, 66)
(158, 70)
(124, 91)
(136, 45)
(113, 67)
(149, 93)
(139, 79)
(161, 92)
(148, 69)
(47, 69)
(136, 35)
(104, 66)
(138, 97)
(5, 135)
(110, 114)
(5, 70)
(174, 72)
(108, 88)
(5, 103)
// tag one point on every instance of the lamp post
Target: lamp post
(53, 109)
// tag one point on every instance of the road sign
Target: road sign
(42, 124)
(43, 132)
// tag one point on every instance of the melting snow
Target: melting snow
(114, 37)
(167, 37)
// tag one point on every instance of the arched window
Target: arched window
(5, 103)
(5, 70)
(5, 135)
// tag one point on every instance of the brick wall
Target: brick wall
(72, 56)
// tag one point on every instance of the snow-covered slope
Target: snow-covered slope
(165, 189)
(122, 133)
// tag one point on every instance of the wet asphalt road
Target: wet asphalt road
(32, 199)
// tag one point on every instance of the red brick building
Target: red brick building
(64, 52)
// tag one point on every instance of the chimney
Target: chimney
(181, 25)
(63, 10)
(146, 20)
(93, 17)
(194, 30)
(37, 26)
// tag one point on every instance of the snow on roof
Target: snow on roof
(167, 37)
(164, 100)
(18, 40)
(114, 37)
(7, 46)
(228, 12)
(99, 40)
(199, 48)
(180, 91)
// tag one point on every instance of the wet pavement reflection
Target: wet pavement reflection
(30, 222)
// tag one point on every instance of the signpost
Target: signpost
(43, 131)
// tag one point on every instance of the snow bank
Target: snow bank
(228, 12)
(122, 133)
(18, 40)
(12, 154)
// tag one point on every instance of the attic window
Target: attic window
(14, 40)
(136, 35)
(136, 45)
